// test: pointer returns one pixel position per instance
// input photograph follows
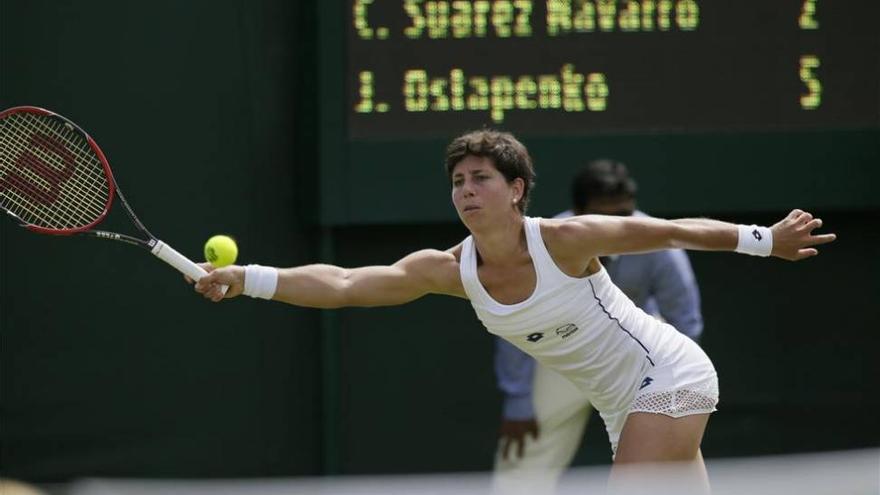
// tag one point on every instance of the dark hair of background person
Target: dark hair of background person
(601, 179)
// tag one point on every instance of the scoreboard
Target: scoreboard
(682, 90)
(574, 67)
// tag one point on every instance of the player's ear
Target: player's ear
(517, 186)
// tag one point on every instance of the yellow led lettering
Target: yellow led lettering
(414, 31)
(461, 20)
(813, 98)
(629, 17)
(360, 19)
(523, 26)
(456, 88)
(585, 18)
(648, 10)
(437, 14)
(571, 89)
(526, 88)
(481, 14)
(807, 20)
(366, 92)
(438, 92)
(607, 13)
(549, 91)
(664, 20)
(597, 92)
(502, 97)
(568, 90)
(502, 17)
(415, 90)
(687, 15)
(479, 98)
(558, 17)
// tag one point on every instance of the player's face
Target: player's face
(614, 205)
(481, 193)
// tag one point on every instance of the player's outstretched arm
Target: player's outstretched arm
(328, 286)
(791, 238)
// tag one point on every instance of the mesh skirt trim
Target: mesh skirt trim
(675, 403)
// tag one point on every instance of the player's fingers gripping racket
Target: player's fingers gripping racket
(55, 180)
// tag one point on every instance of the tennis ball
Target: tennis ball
(220, 251)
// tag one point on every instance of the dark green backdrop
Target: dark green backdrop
(109, 364)
(208, 111)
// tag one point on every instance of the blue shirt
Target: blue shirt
(662, 283)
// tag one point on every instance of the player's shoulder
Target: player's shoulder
(567, 241)
(438, 269)
(564, 230)
(431, 259)
(438, 264)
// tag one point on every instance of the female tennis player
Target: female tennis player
(539, 284)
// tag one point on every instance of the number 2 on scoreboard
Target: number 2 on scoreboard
(807, 19)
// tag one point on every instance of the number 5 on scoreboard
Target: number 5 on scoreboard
(813, 98)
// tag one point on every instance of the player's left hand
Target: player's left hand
(793, 236)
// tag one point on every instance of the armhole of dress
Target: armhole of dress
(466, 269)
(541, 252)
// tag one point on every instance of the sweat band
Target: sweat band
(754, 240)
(260, 281)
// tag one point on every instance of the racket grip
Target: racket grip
(183, 264)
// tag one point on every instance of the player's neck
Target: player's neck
(503, 243)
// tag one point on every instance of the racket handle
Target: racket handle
(183, 264)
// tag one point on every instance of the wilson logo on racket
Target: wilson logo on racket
(40, 170)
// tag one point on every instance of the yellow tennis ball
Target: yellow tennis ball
(220, 251)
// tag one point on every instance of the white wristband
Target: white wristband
(754, 240)
(260, 281)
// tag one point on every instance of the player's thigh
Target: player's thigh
(678, 478)
(649, 437)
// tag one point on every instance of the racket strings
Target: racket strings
(82, 212)
(56, 183)
(31, 193)
(31, 187)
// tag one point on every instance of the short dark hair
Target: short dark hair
(509, 156)
(602, 178)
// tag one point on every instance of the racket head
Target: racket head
(54, 179)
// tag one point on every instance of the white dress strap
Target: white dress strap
(468, 271)
(550, 274)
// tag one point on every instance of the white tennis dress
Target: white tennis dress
(587, 330)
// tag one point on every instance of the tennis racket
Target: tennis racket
(54, 179)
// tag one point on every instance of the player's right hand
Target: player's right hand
(513, 434)
(210, 285)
